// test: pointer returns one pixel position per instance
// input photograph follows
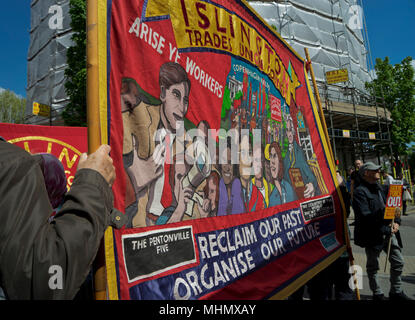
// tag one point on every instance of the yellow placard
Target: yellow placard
(393, 201)
(346, 133)
(389, 213)
(335, 76)
(40, 109)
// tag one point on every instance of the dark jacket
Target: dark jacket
(30, 245)
(369, 208)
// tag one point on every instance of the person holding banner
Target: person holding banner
(51, 260)
(372, 232)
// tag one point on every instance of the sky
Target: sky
(15, 38)
(390, 25)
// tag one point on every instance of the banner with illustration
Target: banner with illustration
(219, 151)
(66, 143)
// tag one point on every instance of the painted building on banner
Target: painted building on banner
(334, 31)
(50, 38)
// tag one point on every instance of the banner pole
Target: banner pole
(323, 122)
(92, 99)
(389, 246)
(93, 122)
(320, 109)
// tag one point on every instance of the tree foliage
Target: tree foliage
(75, 111)
(12, 107)
(397, 85)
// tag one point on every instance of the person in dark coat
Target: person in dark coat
(372, 231)
(34, 249)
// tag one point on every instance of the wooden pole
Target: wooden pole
(93, 121)
(323, 122)
(320, 109)
(92, 100)
(389, 246)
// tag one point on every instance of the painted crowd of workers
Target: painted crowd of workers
(155, 169)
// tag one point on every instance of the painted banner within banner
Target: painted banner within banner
(66, 143)
(221, 160)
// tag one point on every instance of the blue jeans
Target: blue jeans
(396, 266)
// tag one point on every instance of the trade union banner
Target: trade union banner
(66, 143)
(222, 166)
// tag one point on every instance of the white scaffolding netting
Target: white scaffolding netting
(50, 39)
(332, 30)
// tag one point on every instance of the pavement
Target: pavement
(407, 230)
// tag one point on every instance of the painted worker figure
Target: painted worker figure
(296, 162)
(230, 189)
(282, 191)
(244, 120)
(258, 179)
(175, 212)
(252, 197)
(209, 207)
(144, 157)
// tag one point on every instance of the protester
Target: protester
(372, 232)
(34, 252)
(344, 192)
(405, 193)
(387, 178)
(349, 179)
(355, 178)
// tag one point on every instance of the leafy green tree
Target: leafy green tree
(397, 85)
(75, 111)
(12, 107)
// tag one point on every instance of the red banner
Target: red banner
(66, 143)
(220, 155)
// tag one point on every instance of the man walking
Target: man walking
(372, 232)
(355, 177)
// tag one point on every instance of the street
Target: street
(407, 230)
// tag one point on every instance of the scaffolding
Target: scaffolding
(46, 58)
(334, 31)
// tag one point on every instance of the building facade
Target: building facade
(50, 38)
